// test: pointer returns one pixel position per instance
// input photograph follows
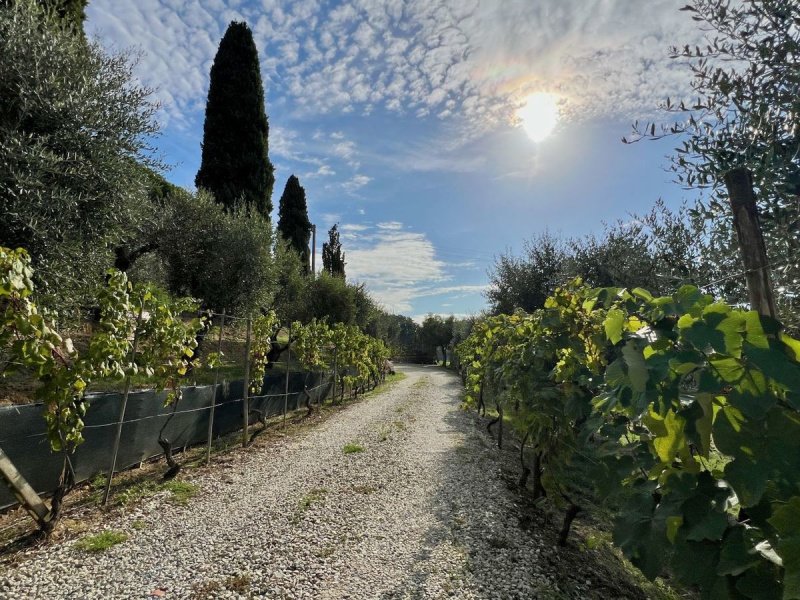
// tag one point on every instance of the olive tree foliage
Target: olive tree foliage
(658, 250)
(745, 114)
(526, 281)
(70, 14)
(221, 256)
(74, 130)
(436, 333)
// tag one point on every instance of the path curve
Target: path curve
(422, 512)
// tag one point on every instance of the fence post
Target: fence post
(214, 392)
(246, 395)
(751, 241)
(135, 347)
(335, 365)
(286, 383)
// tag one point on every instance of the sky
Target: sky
(400, 117)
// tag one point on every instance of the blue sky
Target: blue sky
(399, 118)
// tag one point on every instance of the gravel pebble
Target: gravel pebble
(421, 512)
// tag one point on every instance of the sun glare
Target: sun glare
(539, 116)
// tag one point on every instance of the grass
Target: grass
(180, 491)
(102, 541)
(384, 432)
(390, 381)
(422, 382)
(139, 525)
(313, 497)
(352, 448)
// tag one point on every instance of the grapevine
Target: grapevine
(680, 412)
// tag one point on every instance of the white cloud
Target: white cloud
(418, 319)
(356, 182)
(455, 58)
(391, 225)
(398, 266)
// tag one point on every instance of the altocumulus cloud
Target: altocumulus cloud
(397, 265)
(470, 59)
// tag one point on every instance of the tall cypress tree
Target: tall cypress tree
(234, 164)
(332, 254)
(293, 223)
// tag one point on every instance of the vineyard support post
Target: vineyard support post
(246, 394)
(751, 241)
(286, 381)
(214, 391)
(22, 490)
(125, 395)
(335, 366)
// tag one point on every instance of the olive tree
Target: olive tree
(74, 131)
(739, 133)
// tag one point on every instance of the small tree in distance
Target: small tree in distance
(332, 254)
(293, 223)
(436, 333)
(234, 165)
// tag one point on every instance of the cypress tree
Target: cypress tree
(293, 223)
(332, 254)
(235, 166)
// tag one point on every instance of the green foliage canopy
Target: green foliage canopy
(235, 166)
(74, 130)
(680, 411)
(332, 253)
(293, 223)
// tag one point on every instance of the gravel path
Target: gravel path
(421, 512)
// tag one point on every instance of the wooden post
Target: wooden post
(335, 365)
(246, 395)
(22, 490)
(313, 251)
(286, 383)
(214, 392)
(751, 241)
(118, 436)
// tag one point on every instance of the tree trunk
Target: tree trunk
(751, 241)
(65, 483)
(538, 489)
(572, 512)
(166, 444)
(500, 428)
(523, 478)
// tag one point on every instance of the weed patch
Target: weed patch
(101, 541)
(352, 448)
(313, 497)
(181, 491)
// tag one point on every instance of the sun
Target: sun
(539, 116)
